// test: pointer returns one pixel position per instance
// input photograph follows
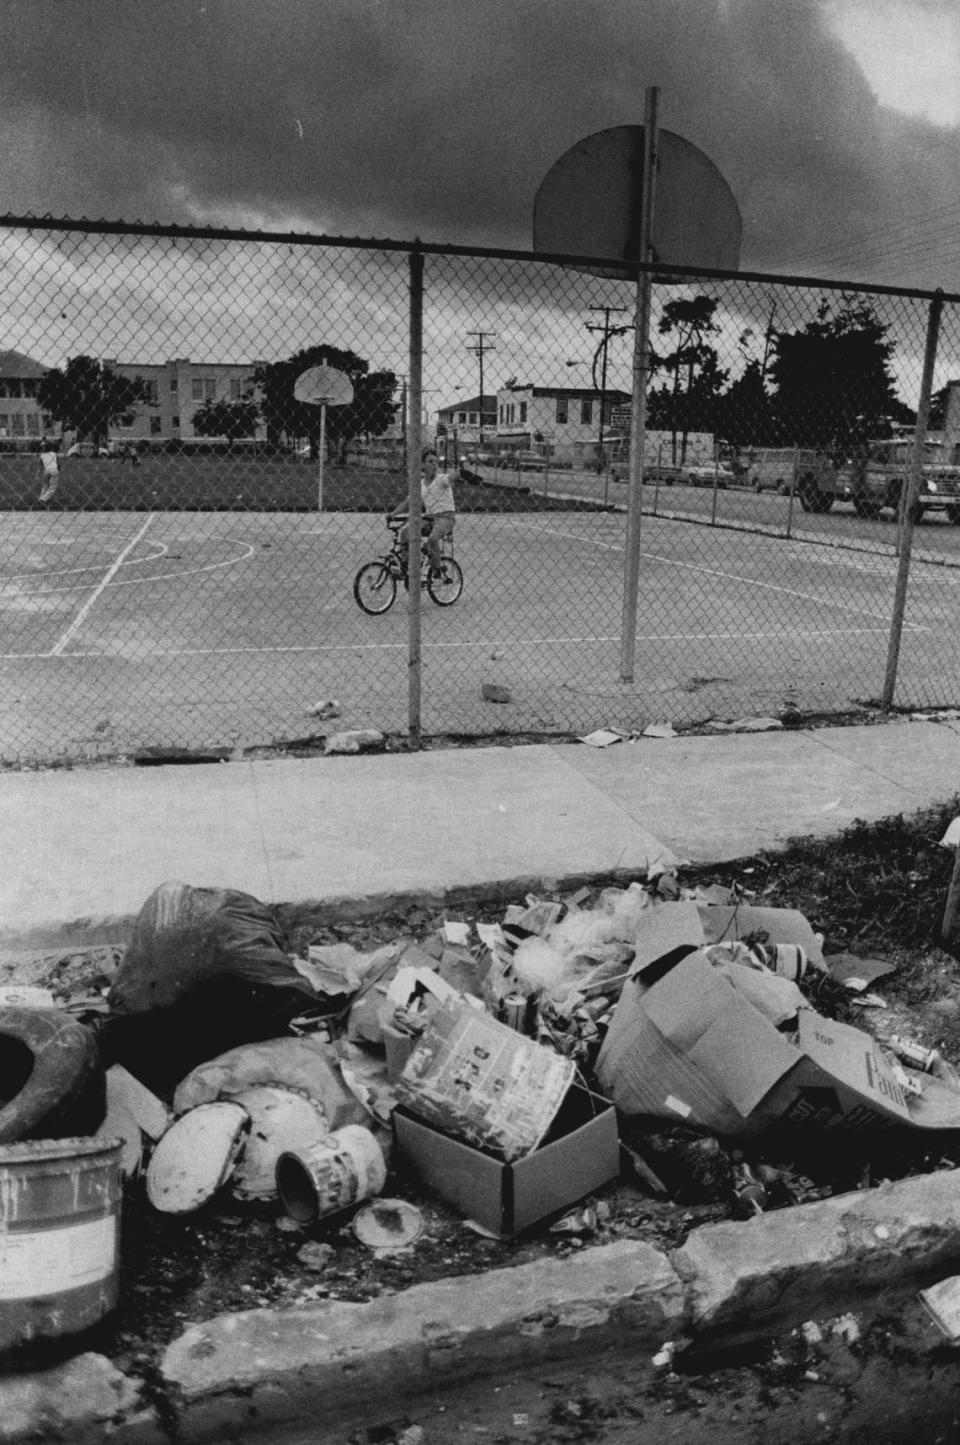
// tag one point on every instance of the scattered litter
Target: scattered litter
(520, 1417)
(476, 1227)
(455, 931)
(812, 1332)
(847, 1328)
(328, 708)
(388, 1225)
(659, 730)
(868, 1000)
(315, 1256)
(746, 725)
(495, 692)
(856, 973)
(360, 740)
(942, 1303)
(578, 1221)
(604, 737)
(25, 996)
(951, 838)
(663, 1359)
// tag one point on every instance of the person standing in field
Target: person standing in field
(50, 464)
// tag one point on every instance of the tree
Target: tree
(370, 413)
(689, 322)
(88, 397)
(230, 419)
(832, 377)
(744, 412)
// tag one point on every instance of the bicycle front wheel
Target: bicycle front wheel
(375, 588)
(446, 584)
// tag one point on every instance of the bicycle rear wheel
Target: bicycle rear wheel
(375, 588)
(446, 584)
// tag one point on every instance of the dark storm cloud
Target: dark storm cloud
(439, 118)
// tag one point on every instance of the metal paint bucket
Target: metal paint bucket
(59, 1237)
(324, 1178)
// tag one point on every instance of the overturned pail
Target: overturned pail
(343, 1169)
(59, 1237)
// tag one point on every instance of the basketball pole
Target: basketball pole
(638, 407)
(323, 447)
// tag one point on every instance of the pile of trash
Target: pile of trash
(512, 1068)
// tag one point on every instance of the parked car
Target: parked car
(708, 476)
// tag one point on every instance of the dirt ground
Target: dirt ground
(876, 891)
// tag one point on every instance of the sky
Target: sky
(836, 123)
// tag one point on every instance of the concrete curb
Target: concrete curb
(728, 1283)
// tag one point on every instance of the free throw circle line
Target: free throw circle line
(104, 582)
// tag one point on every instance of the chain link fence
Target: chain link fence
(182, 531)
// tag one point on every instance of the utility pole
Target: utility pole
(483, 344)
(601, 355)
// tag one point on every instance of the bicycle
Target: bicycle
(375, 585)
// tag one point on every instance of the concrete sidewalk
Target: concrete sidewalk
(86, 847)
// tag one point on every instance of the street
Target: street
(884, 1376)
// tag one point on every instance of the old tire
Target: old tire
(811, 498)
(51, 1077)
(953, 515)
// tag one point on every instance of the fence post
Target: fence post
(909, 506)
(413, 438)
(793, 488)
(638, 411)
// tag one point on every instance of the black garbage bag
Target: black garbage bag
(205, 971)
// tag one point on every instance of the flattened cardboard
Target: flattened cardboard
(508, 1198)
(740, 920)
(691, 1047)
(666, 932)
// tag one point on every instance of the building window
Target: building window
(204, 388)
(586, 412)
(126, 420)
(150, 392)
(9, 387)
(173, 383)
(29, 387)
(154, 426)
(523, 411)
(562, 410)
(236, 388)
(462, 418)
(175, 422)
(501, 414)
(4, 424)
(16, 426)
(33, 425)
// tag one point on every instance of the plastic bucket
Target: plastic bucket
(324, 1178)
(59, 1237)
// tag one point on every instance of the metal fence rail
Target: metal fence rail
(179, 549)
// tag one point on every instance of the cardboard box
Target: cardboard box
(482, 1082)
(690, 1048)
(580, 1154)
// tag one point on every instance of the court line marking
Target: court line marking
(143, 581)
(401, 645)
(733, 577)
(116, 564)
(161, 549)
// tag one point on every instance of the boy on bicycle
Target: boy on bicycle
(436, 493)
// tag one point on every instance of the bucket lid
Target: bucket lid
(388, 1224)
(280, 1119)
(196, 1156)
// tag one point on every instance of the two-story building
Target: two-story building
(20, 416)
(560, 422)
(466, 424)
(175, 390)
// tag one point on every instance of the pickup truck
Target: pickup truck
(876, 481)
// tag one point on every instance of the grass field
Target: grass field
(240, 483)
